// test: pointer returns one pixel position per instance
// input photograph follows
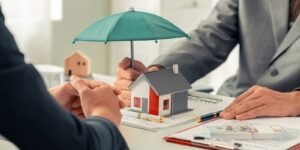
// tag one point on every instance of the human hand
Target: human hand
(260, 102)
(98, 99)
(126, 75)
(67, 97)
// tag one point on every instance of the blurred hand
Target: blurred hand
(126, 75)
(260, 102)
(67, 97)
(98, 99)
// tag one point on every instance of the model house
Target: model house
(162, 92)
(77, 64)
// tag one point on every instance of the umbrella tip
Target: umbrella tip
(189, 37)
(131, 9)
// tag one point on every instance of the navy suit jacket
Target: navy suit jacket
(33, 120)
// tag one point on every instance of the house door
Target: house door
(145, 105)
(70, 72)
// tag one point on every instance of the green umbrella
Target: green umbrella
(130, 26)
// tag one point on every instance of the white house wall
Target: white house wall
(141, 89)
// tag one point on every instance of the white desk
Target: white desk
(139, 139)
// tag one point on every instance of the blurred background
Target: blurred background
(44, 30)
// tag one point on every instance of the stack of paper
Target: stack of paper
(292, 124)
(198, 103)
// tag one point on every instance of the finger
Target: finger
(81, 116)
(125, 95)
(249, 106)
(116, 90)
(76, 103)
(127, 102)
(129, 74)
(123, 84)
(122, 104)
(255, 93)
(231, 113)
(68, 89)
(240, 98)
(246, 100)
(257, 112)
(77, 111)
(94, 84)
(79, 84)
(153, 68)
(73, 77)
(125, 63)
(140, 67)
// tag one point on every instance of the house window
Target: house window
(78, 63)
(137, 102)
(166, 104)
(83, 63)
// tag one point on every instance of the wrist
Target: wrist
(107, 114)
(295, 95)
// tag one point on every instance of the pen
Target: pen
(216, 143)
(208, 116)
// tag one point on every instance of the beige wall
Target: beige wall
(77, 15)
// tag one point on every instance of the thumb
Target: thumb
(74, 78)
(125, 63)
(79, 84)
(140, 67)
(122, 104)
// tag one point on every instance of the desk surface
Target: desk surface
(138, 139)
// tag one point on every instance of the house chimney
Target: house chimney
(175, 69)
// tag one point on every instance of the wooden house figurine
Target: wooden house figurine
(78, 64)
(161, 93)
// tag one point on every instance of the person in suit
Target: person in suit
(35, 120)
(268, 35)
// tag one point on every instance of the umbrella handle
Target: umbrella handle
(132, 54)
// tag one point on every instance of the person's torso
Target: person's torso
(269, 50)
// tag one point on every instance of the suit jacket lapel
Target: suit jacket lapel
(291, 36)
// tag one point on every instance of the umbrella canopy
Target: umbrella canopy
(130, 26)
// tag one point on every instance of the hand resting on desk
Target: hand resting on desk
(263, 102)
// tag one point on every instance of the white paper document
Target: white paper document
(198, 103)
(292, 124)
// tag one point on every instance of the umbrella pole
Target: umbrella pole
(132, 54)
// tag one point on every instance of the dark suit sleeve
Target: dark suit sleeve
(31, 118)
